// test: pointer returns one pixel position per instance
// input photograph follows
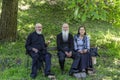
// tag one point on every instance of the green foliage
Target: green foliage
(105, 10)
(83, 10)
(114, 11)
(88, 9)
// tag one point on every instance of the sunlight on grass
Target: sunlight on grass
(107, 78)
(108, 38)
(109, 68)
(116, 61)
(117, 39)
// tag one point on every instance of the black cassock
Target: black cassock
(37, 41)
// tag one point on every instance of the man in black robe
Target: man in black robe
(65, 46)
(36, 48)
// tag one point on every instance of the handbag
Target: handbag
(94, 52)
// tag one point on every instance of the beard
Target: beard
(39, 32)
(65, 35)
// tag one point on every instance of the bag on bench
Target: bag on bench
(94, 53)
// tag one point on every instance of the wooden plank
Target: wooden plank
(54, 48)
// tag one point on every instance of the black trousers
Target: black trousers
(37, 62)
(75, 57)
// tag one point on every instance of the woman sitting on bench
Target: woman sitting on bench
(82, 46)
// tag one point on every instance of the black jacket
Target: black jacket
(35, 40)
(61, 44)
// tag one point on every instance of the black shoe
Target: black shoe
(72, 72)
(50, 74)
(33, 76)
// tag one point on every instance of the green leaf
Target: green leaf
(76, 12)
(83, 18)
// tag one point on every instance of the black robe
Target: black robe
(61, 44)
(35, 40)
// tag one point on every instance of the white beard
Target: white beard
(65, 35)
(38, 32)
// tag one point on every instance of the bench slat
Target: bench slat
(52, 48)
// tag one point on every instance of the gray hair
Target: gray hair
(65, 24)
(38, 24)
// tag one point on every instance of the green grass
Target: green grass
(13, 65)
(13, 61)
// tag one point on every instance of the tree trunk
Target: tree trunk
(8, 21)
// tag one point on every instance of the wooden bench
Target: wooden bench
(52, 48)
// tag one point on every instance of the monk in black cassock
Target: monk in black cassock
(65, 46)
(36, 48)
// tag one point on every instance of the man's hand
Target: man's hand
(69, 54)
(35, 50)
(48, 42)
(66, 52)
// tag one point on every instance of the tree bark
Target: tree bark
(8, 21)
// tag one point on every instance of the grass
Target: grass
(13, 65)
(13, 61)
